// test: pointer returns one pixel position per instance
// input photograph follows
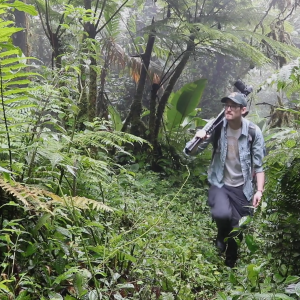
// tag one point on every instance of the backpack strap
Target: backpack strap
(251, 134)
(216, 137)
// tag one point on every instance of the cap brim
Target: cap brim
(223, 100)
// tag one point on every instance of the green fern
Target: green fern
(37, 199)
(105, 139)
(13, 76)
(287, 78)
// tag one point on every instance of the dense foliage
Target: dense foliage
(83, 216)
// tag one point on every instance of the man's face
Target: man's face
(233, 110)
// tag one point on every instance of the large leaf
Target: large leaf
(184, 102)
(115, 117)
(24, 7)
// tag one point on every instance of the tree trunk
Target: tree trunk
(83, 104)
(91, 30)
(102, 105)
(20, 38)
(164, 99)
(57, 49)
(134, 116)
(152, 109)
(92, 89)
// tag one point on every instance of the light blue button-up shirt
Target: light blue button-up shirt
(216, 169)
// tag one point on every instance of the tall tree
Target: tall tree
(95, 24)
(53, 28)
(20, 38)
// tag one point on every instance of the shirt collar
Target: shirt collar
(245, 125)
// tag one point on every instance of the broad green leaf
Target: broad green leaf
(80, 280)
(183, 102)
(244, 221)
(68, 297)
(278, 278)
(66, 275)
(31, 249)
(116, 119)
(283, 269)
(199, 122)
(24, 296)
(290, 143)
(4, 287)
(232, 278)
(252, 274)
(251, 244)
(41, 222)
(190, 96)
(145, 113)
(291, 279)
(221, 296)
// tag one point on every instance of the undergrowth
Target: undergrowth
(158, 243)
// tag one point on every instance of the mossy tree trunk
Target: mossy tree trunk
(91, 30)
(102, 105)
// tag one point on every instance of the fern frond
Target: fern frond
(287, 78)
(81, 202)
(211, 40)
(29, 198)
(280, 49)
(35, 199)
(104, 139)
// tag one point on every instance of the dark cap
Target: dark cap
(238, 98)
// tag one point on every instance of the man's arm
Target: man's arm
(204, 140)
(258, 155)
(260, 182)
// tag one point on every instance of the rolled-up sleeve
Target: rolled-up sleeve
(258, 151)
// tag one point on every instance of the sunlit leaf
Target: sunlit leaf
(24, 7)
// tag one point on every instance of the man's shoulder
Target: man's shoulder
(253, 128)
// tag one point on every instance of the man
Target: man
(231, 171)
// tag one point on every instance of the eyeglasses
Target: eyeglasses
(232, 106)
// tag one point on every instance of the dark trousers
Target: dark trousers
(228, 205)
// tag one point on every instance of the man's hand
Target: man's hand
(257, 198)
(201, 134)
